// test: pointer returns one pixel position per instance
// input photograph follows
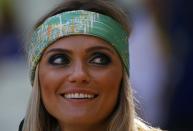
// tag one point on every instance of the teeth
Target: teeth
(78, 96)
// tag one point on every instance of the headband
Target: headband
(77, 22)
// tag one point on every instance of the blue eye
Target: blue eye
(59, 59)
(100, 59)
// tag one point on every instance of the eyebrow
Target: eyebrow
(100, 48)
(87, 50)
(57, 50)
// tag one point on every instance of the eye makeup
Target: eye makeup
(59, 59)
(100, 58)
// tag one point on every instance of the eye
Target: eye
(59, 59)
(100, 59)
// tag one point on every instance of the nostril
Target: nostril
(79, 76)
(79, 72)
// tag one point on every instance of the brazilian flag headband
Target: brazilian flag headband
(77, 22)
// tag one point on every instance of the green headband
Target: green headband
(77, 22)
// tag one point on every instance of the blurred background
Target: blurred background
(161, 63)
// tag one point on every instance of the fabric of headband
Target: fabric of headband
(77, 22)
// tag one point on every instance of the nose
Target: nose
(79, 73)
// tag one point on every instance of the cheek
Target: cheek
(109, 84)
(49, 84)
(50, 79)
(110, 80)
(47, 88)
(46, 81)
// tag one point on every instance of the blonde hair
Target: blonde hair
(38, 119)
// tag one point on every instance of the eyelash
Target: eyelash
(103, 59)
(59, 59)
(97, 58)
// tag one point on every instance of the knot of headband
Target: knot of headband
(78, 22)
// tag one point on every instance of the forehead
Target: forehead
(81, 42)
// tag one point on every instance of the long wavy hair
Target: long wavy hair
(122, 119)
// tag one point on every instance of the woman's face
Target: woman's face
(80, 79)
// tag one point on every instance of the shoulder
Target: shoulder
(21, 125)
(141, 126)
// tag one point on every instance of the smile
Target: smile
(77, 93)
(78, 96)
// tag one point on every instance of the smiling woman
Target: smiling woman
(79, 71)
(76, 82)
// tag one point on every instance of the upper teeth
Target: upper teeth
(78, 96)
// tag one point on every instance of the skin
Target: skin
(83, 64)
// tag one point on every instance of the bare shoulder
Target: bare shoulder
(141, 126)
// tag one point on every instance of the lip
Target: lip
(78, 102)
(79, 90)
